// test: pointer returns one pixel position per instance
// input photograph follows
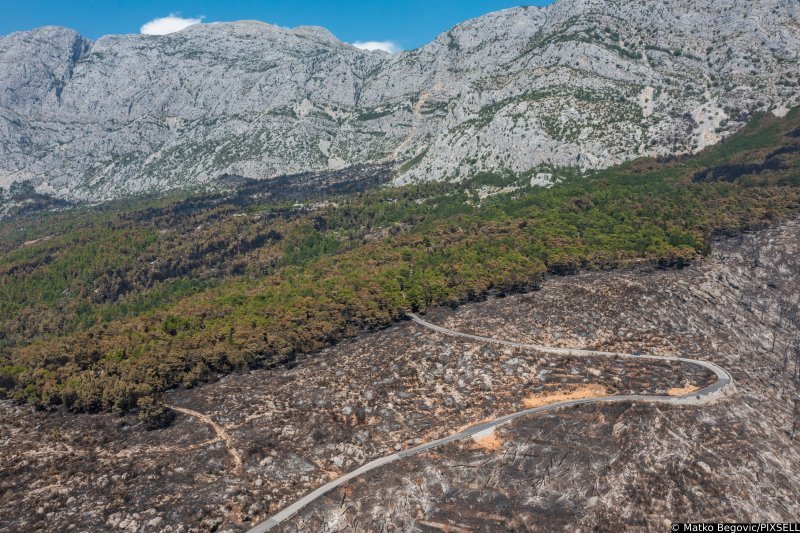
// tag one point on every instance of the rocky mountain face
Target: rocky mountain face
(586, 83)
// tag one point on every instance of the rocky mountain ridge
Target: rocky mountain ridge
(580, 83)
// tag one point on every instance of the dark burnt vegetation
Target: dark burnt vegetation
(731, 173)
(782, 158)
(106, 308)
(301, 187)
(22, 199)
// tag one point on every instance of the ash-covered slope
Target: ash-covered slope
(584, 83)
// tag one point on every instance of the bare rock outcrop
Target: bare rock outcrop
(580, 83)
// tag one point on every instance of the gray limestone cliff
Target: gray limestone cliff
(580, 83)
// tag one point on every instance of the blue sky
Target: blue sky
(408, 23)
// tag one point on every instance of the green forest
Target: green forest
(105, 308)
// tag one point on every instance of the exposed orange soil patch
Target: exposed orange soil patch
(540, 399)
(681, 391)
(488, 440)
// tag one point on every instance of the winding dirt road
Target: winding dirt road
(721, 387)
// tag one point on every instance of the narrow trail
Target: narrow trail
(219, 431)
(715, 391)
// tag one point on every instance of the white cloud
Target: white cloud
(170, 24)
(385, 46)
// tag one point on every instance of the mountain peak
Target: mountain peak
(317, 32)
(46, 33)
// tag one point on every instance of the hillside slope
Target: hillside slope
(106, 308)
(586, 83)
(604, 467)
